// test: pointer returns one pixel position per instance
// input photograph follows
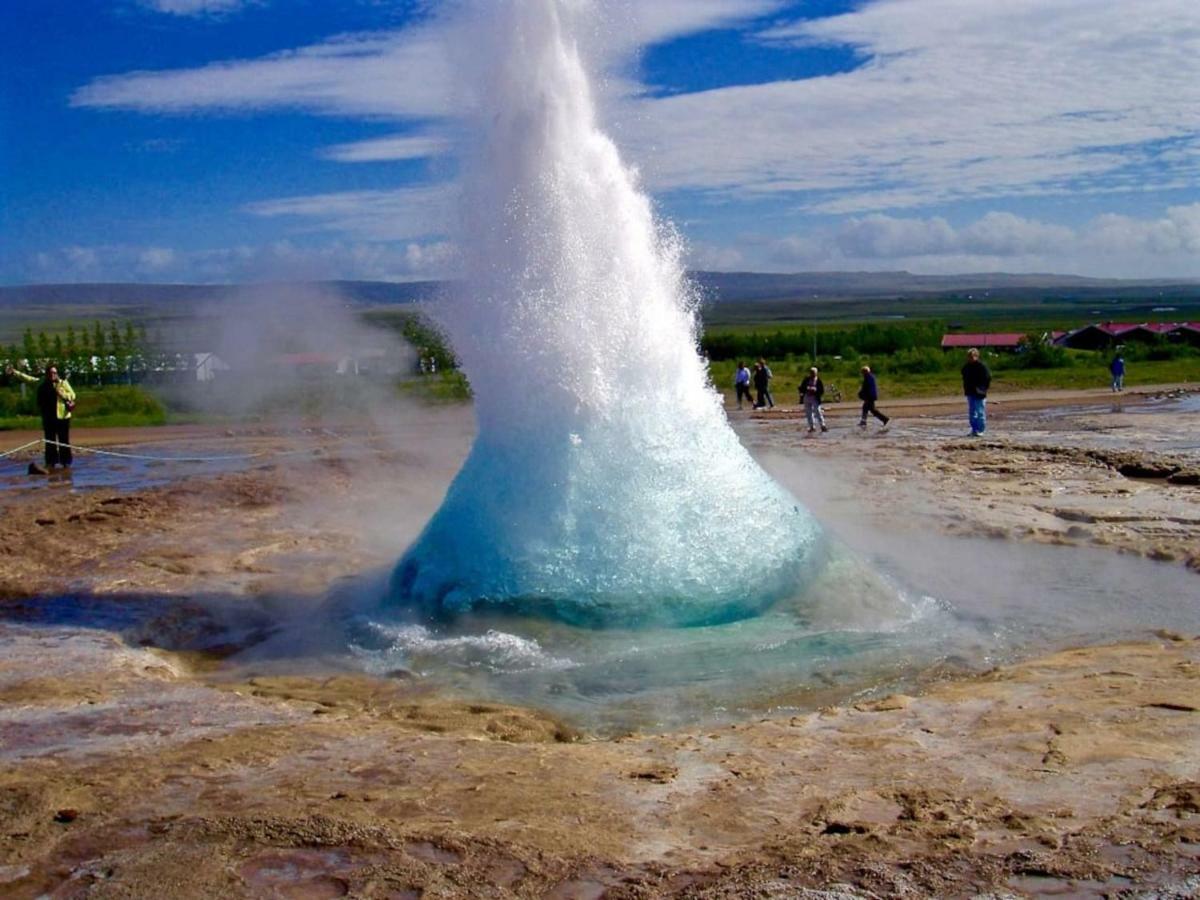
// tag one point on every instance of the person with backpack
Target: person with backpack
(812, 392)
(55, 400)
(976, 379)
(869, 394)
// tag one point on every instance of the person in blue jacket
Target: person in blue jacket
(869, 394)
(1117, 368)
(741, 384)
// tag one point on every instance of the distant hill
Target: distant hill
(717, 287)
(729, 298)
(142, 296)
(733, 286)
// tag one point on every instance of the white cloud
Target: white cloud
(394, 74)
(883, 237)
(156, 259)
(1177, 232)
(195, 7)
(395, 215)
(1108, 245)
(389, 148)
(644, 23)
(277, 261)
(956, 99)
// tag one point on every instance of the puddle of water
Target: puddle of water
(92, 472)
(297, 874)
(432, 853)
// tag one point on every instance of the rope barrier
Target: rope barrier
(121, 455)
(16, 450)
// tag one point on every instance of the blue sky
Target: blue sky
(226, 140)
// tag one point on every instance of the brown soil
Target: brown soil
(148, 771)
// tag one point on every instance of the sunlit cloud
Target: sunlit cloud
(195, 7)
(275, 261)
(956, 99)
(390, 74)
(388, 148)
(401, 214)
(1108, 244)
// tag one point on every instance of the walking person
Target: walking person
(976, 379)
(55, 399)
(741, 384)
(762, 385)
(869, 394)
(812, 392)
(1117, 369)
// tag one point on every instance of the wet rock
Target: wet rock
(656, 774)
(1188, 477)
(886, 704)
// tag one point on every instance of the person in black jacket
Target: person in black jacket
(976, 380)
(762, 385)
(812, 392)
(55, 399)
(868, 394)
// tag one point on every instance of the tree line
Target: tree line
(95, 354)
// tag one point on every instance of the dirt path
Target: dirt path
(908, 407)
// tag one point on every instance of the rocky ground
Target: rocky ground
(134, 764)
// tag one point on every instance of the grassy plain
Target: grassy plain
(903, 347)
(843, 376)
(897, 336)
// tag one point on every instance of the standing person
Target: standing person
(55, 399)
(741, 384)
(868, 394)
(762, 385)
(976, 379)
(1117, 368)
(812, 392)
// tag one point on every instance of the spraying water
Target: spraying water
(605, 487)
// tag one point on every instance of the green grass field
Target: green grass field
(843, 376)
(902, 347)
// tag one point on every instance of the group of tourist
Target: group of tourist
(760, 378)
(976, 379)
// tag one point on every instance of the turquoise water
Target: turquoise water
(880, 616)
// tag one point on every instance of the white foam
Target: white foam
(498, 651)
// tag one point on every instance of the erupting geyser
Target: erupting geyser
(605, 487)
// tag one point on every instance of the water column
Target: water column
(605, 486)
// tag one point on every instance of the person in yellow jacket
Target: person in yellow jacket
(55, 399)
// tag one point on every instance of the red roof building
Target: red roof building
(1106, 334)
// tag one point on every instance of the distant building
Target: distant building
(207, 365)
(1108, 334)
(1186, 332)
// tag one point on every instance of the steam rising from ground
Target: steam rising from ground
(605, 486)
(300, 354)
